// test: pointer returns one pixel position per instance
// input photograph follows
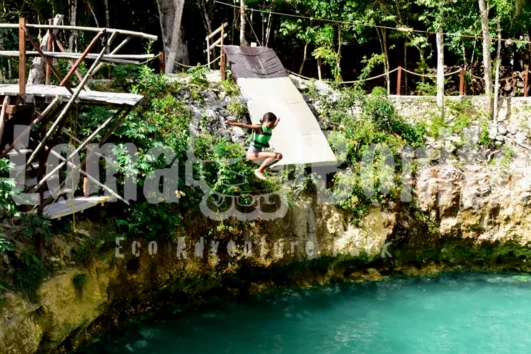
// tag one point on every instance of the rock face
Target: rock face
(471, 210)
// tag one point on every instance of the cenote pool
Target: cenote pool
(453, 313)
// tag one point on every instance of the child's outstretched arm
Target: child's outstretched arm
(243, 125)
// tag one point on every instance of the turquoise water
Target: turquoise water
(472, 313)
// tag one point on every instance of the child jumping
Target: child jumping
(259, 141)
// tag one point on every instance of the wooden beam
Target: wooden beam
(3, 115)
(82, 57)
(399, 81)
(462, 82)
(22, 58)
(118, 59)
(217, 42)
(80, 147)
(26, 131)
(49, 49)
(222, 59)
(219, 29)
(94, 180)
(46, 59)
(62, 49)
(87, 29)
(88, 75)
(120, 46)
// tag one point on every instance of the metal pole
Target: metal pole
(22, 58)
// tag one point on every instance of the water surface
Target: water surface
(466, 313)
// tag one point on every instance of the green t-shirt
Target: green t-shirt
(262, 140)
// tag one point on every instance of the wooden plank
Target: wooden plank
(109, 58)
(112, 98)
(72, 206)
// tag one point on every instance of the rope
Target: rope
(195, 66)
(346, 82)
(147, 61)
(400, 29)
(417, 74)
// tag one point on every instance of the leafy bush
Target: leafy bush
(6, 245)
(7, 189)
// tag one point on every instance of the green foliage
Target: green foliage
(237, 109)
(37, 225)
(149, 221)
(198, 75)
(6, 245)
(30, 272)
(377, 131)
(7, 189)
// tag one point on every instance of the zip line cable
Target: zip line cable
(399, 29)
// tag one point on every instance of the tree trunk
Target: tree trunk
(205, 16)
(483, 6)
(92, 12)
(170, 12)
(243, 42)
(107, 15)
(338, 62)
(37, 71)
(319, 74)
(440, 70)
(497, 82)
(73, 36)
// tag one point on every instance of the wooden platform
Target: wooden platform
(87, 97)
(72, 206)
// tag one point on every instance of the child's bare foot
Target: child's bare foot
(260, 175)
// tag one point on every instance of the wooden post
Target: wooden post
(208, 52)
(49, 49)
(162, 63)
(399, 80)
(526, 80)
(222, 58)
(3, 115)
(462, 82)
(22, 58)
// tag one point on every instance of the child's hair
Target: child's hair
(268, 117)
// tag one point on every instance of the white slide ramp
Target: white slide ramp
(298, 135)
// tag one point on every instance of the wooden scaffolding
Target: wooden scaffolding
(21, 104)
